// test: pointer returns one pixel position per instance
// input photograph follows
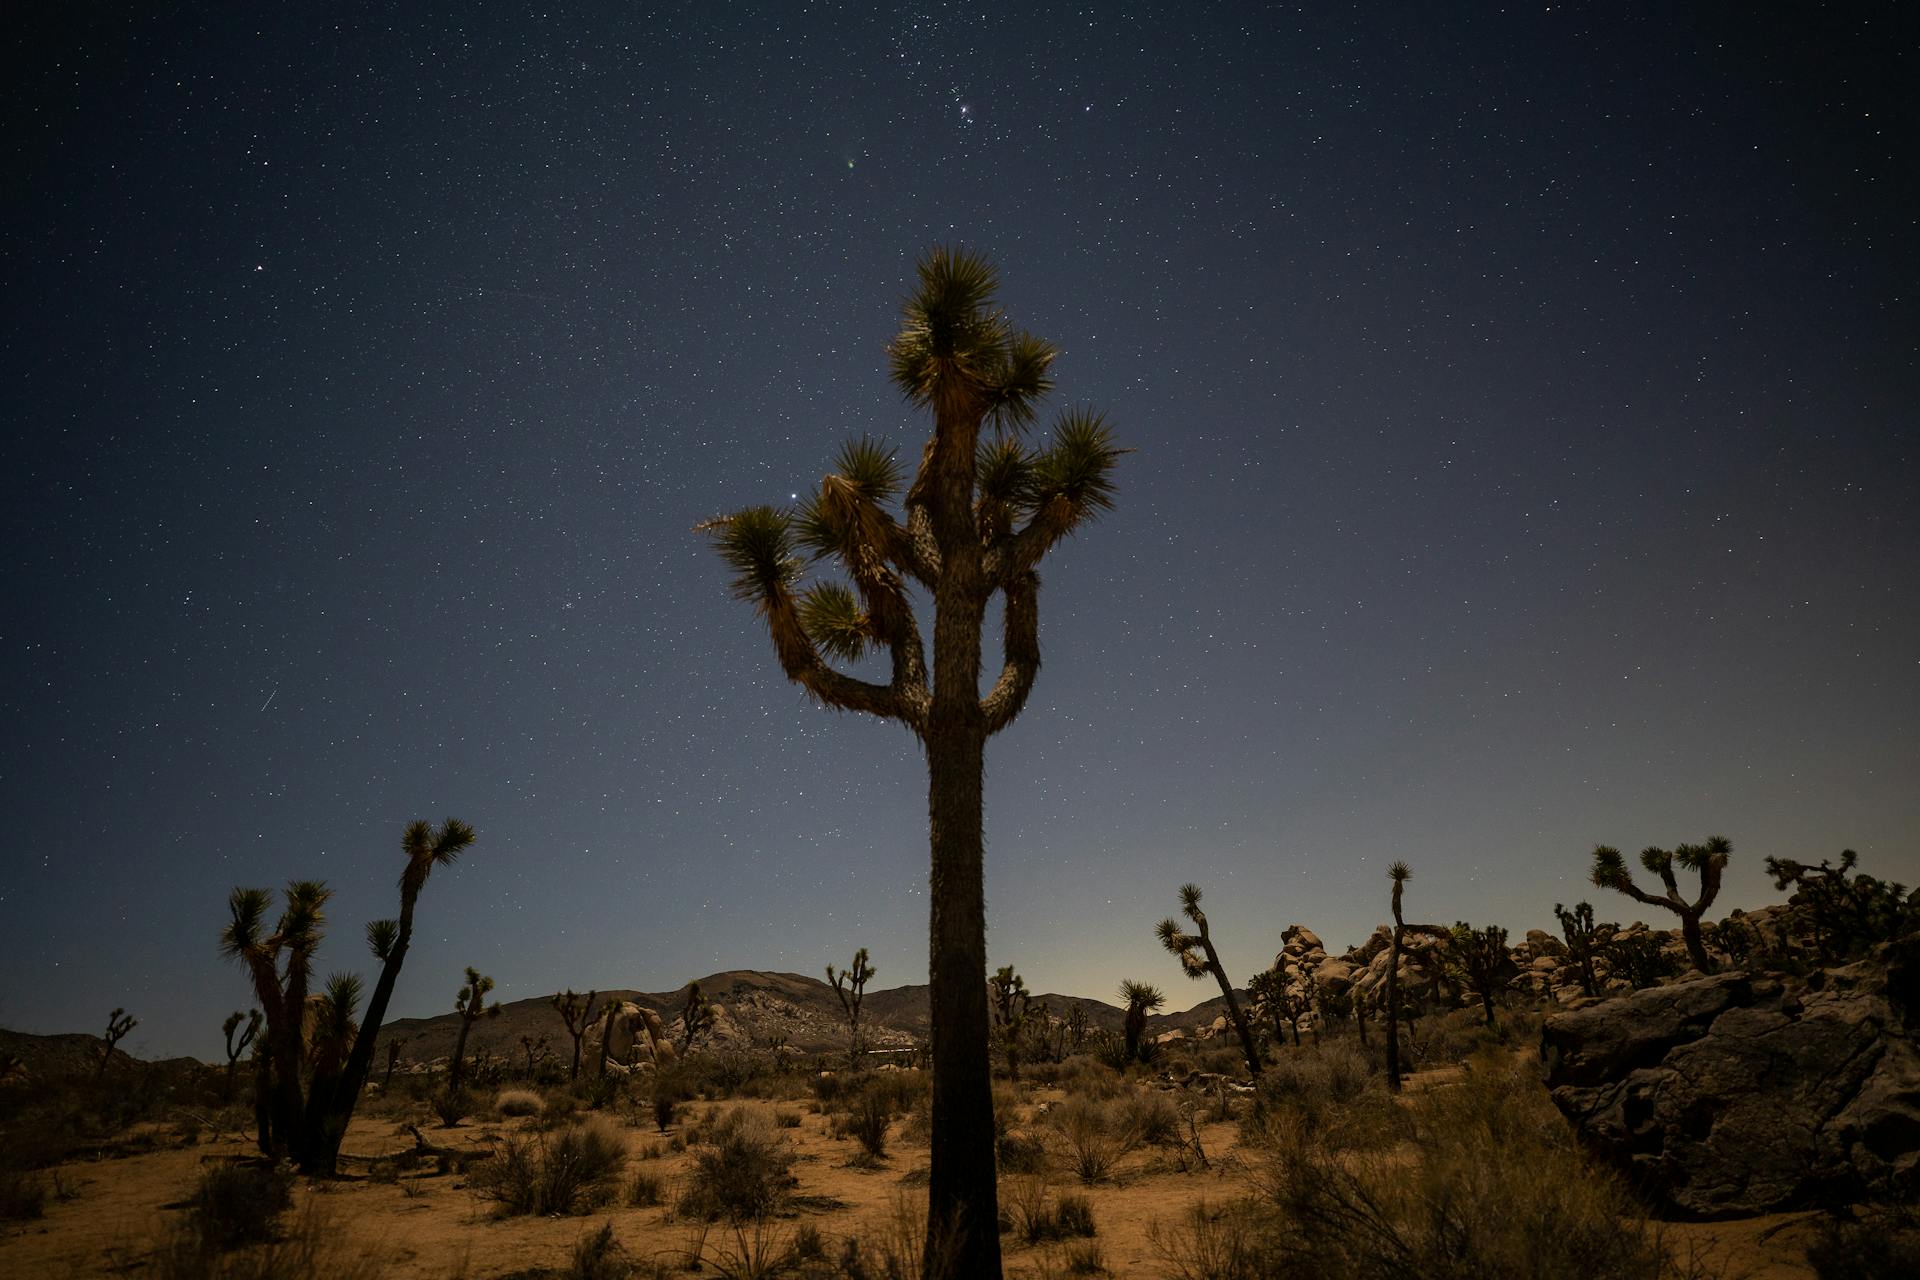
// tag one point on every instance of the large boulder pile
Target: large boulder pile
(1741, 1094)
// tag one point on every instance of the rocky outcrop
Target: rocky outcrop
(1742, 1094)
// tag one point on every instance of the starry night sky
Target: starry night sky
(1524, 406)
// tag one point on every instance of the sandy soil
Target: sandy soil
(436, 1226)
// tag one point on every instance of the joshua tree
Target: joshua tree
(850, 984)
(393, 1058)
(1846, 914)
(331, 1105)
(1399, 873)
(1010, 1002)
(697, 1017)
(118, 1025)
(1709, 860)
(471, 1004)
(1198, 959)
(1140, 999)
(1272, 997)
(534, 1045)
(1482, 960)
(1074, 1033)
(577, 1012)
(980, 515)
(251, 1019)
(281, 987)
(1584, 940)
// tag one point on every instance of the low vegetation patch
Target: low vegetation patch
(744, 1173)
(567, 1171)
(519, 1102)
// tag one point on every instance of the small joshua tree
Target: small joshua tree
(1846, 914)
(697, 1017)
(1480, 956)
(1010, 1003)
(1140, 1000)
(576, 1011)
(1198, 959)
(393, 1058)
(335, 1027)
(118, 1025)
(850, 984)
(534, 1045)
(1584, 941)
(1709, 860)
(1273, 998)
(251, 1020)
(471, 1004)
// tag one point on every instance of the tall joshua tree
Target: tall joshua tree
(471, 1004)
(1709, 860)
(981, 512)
(697, 1017)
(330, 1108)
(280, 964)
(1198, 959)
(850, 984)
(1140, 999)
(1400, 873)
(577, 1012)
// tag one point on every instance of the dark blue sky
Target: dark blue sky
(1524, 405)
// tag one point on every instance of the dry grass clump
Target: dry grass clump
(1883, 1244)
(307, 1249)
(1331, 1096)
(237, 1204)
(1488, 1184)
(744, 1172)
(1094, 1135)
(1089, 1077)
(519, 1102)
(567, 1171)
(1030, 1211)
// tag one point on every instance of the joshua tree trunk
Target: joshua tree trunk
(1393, 1014)
(331, 1109)
(1238, 1018)
(459, 1056)
(1696, 946)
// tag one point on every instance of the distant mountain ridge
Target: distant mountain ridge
(760, 1007)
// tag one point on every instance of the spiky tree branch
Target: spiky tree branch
(118, 1025)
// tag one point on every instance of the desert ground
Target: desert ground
(1182, 1149)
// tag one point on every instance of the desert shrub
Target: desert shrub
(899, 1090)
(786, 1119)
(1490, 1185)
(237, 1204)
(1152, 1118)
(601, 1090)
(745, 1173)
(866, 1124)
(23, 1195)
(519, 1102)
(563, 1172)
(1210, 1242)
(452, 1106)
(1018, 1152)
(308, 1248)
(1095, 1135)
(1884, 1245)
(645, 1189)
(1089, 1077)
(1329, 1095)
(1082, 1259)
(1029, 1210)
(599, 1256)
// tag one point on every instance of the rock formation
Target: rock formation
(1742, 1094)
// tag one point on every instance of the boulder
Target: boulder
(1742, 1094)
